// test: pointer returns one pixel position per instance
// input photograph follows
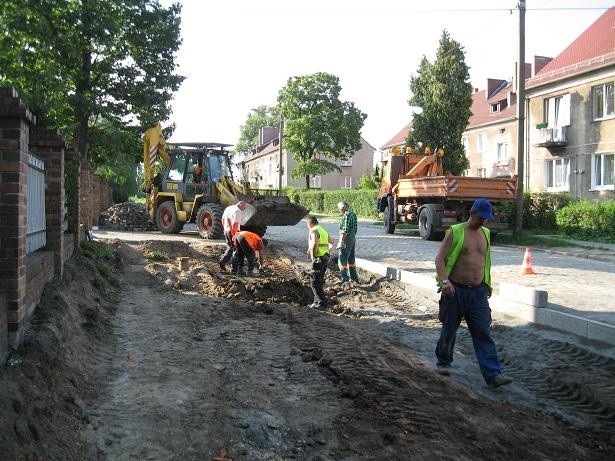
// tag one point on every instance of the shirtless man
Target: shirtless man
(463, 264)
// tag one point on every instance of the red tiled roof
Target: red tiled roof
(481, 108)
(399, 138)
(592, 49)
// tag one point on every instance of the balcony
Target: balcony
(552, 137)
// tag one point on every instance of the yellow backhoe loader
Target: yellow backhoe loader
(197, 184)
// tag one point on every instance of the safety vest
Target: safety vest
(458, 231)
(323, 240)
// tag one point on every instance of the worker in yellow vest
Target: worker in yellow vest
(320, 243)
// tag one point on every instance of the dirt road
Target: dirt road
(199, 365)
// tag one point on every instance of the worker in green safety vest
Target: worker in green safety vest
(320, 243)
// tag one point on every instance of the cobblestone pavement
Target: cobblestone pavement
(579, 281)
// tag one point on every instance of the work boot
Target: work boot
(222, 266)
(497, 381)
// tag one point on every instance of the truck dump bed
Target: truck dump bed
(458, 187)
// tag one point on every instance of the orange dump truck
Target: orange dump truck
(414, 189)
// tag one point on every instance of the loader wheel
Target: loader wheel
(209, 221)
(166, 218)
(388, 218)
(426, 224)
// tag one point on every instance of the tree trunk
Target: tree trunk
(307, 181)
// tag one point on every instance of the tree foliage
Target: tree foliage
(100, 72)
(248, 132)
(443, 91)
(318, 127)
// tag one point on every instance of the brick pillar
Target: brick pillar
(96, 196)
(15, 122)
(72, 186)
(85, 198)
(49, 146)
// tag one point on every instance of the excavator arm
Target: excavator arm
(153, 145)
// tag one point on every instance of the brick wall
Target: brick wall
(23, 277)
(49, 146)
(39, 271)
(15, 123)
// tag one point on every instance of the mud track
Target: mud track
(197, 364)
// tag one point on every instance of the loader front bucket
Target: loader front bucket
(272, 211)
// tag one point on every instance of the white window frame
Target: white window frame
(557, 111)
(502, 153)
(558, 170)
(316, 182)
(481, 142)
(347, 162)
(465, 141)
(600, 171)
(481, 172)
(346, 182)
(606, 99)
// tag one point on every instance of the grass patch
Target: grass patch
(531, 239)
(97, 249)
(155, 255)
(138, 199)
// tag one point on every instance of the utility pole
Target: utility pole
(281, 155)
(520, 122)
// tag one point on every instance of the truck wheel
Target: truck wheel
(209, 221)
(389, 224)
(166, 218)
(426, 224)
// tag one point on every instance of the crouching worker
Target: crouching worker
(249, 247)
(318, 249)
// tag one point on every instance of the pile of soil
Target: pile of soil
(127, 216)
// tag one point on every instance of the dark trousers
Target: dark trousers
(230, 249)
(346, 261)
(471, 303)
(319, 267)
(244, 251)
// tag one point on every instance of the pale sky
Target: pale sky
(238, 54)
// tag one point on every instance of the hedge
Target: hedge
(539, 209)
(362, 202)
(585, 220)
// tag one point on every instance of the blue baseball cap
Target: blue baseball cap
(483, 208)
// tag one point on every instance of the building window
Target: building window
(502, 155)
(347, 162)
(603, 171)
(480, 142)
(557, 111)
(466, 144)
(346, 182)
(315, 182)
(481, 172)
(558, 172)
(603, 101)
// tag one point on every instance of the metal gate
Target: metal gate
(36, 229)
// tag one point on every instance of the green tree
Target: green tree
(318, 127)
(249, 131)
(86, 66)
(443, 91)
(367, 182)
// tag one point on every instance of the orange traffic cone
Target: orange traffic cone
(526, 267)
